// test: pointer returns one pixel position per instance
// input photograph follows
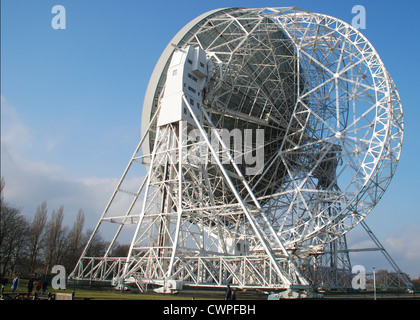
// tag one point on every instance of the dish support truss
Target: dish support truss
(200, 223)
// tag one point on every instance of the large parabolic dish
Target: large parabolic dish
(331, 114)
(332, 129)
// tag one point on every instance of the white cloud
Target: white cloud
(406, 241)
(29, 182)
(403, 245)
(14, 134)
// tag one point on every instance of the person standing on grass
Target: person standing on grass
(30, 286)
(228, 294)
(38, 286)
(15, 284)
(233, 295)
(4, 282)
(44, 286)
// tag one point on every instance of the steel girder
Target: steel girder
(334, 128)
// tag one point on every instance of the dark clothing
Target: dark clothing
(4, 282)
(30, 286)
(228, 294)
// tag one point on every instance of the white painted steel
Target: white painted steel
(333, 132)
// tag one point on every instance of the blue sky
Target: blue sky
(71, 100)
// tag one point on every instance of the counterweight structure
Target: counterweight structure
(267, 134)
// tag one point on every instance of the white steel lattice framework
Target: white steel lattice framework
(332, 128)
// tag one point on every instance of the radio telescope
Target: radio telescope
(267, 134)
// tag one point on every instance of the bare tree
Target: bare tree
(62, 246)
(120, 250)
(36, 235)
(13, 229)
(55, 239)
(97, 246)
(2, 184)
(76, 241)
(25, 246)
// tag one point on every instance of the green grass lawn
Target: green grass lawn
(115, 295)
(82, 294)
(109, 294)
(196, 294)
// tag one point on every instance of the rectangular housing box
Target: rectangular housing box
(186, 76)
